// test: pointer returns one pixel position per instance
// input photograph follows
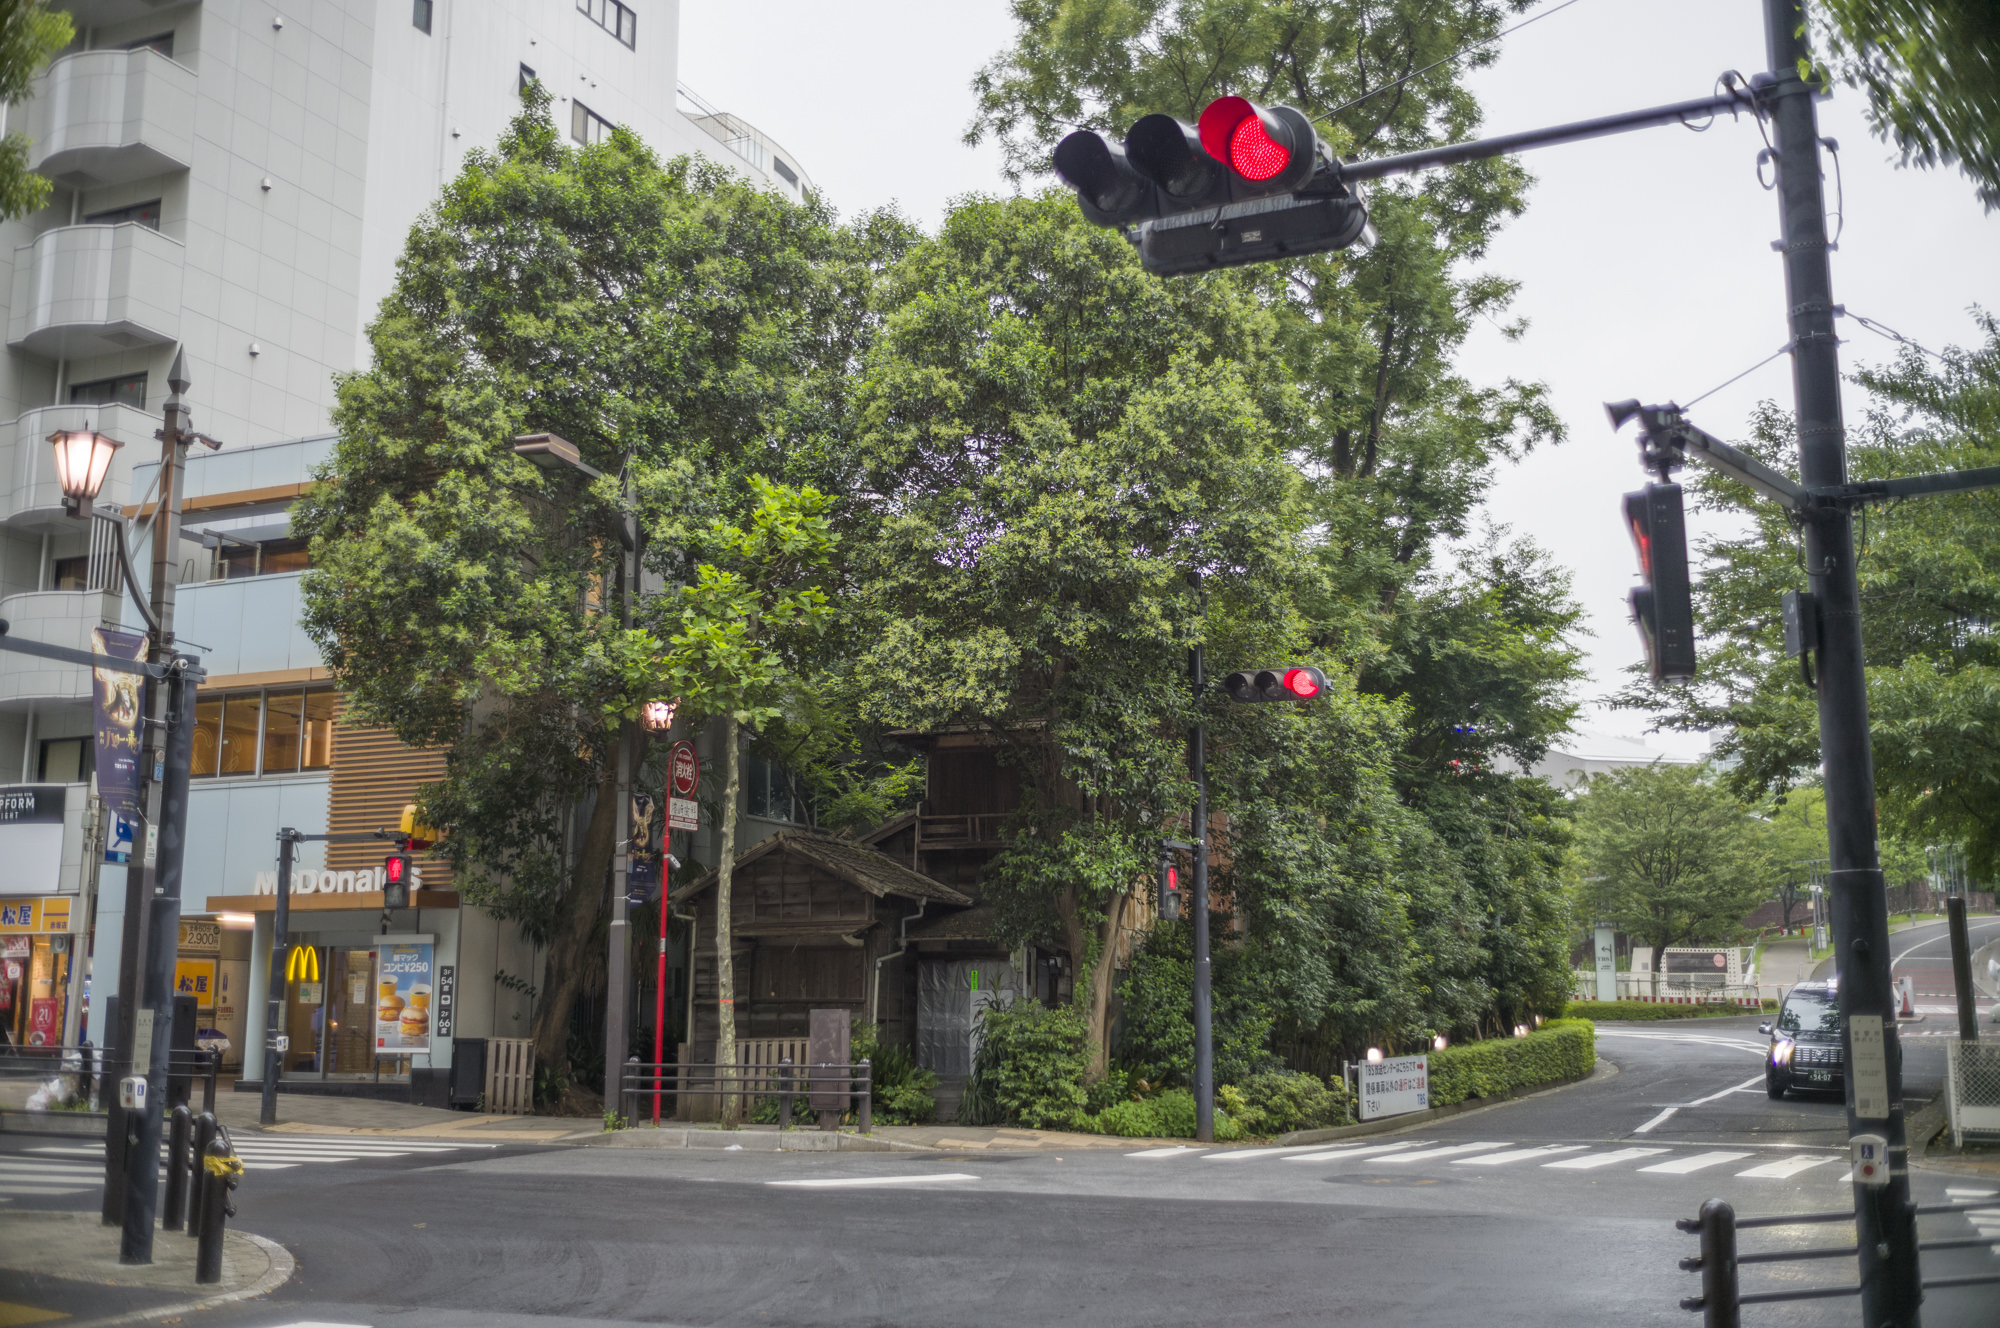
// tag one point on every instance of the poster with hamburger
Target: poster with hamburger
(404, 984)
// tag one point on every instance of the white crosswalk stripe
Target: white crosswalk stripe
(1345, 1153)
(1592, 1161)
(1414, 1154)
(72, 1168)
(1784, 1168)
(1682, 1166)
(1428, 1154)
(1517, 1155)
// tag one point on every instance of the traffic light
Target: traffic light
(1257, 685)
(396, 874)
(414, 835)
(1663, 608)
(1248, 184)
(1170, 888)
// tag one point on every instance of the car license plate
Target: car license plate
(1821, 1076)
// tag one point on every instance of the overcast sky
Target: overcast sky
(1644, 260)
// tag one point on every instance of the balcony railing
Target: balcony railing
(29, 495)
(53, 617)
(106, 117)
(96, 290)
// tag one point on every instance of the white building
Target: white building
(236, 181)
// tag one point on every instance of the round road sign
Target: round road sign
(684, 769)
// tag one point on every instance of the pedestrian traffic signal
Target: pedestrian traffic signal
(1170, 889)
(1663, 608)
(396, 873)
(1255, 685)
(1247, 185)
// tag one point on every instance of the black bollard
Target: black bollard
(174, 1210)
(867, 1112)
(220, 1170)
(784, 1092)
(204, 1135)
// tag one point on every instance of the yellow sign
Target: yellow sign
(35, 915)
(302, 964)
(196, 978)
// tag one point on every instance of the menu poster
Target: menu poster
(404, 986)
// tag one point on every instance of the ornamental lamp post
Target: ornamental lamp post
(83, 459)
(657, 717)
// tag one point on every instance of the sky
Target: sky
(1644, 260)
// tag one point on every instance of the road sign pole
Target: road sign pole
(1885, 1219)
(276, 980)
(1204, 1044)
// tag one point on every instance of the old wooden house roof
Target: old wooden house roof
(853, 862)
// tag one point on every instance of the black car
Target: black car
(1808, 1042)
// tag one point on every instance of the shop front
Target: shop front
(36, 952)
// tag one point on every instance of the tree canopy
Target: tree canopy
(30, 36)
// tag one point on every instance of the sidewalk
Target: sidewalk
(64, 1266)
(301, 1113)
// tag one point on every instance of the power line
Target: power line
(1784, 349)
(1470, 46)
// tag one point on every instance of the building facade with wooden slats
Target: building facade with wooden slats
(374, 777)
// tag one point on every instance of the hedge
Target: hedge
(1602, 1010)
(1560, 1049)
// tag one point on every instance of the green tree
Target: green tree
(1931, 71)
(739, 640)
(30, 36)
(1670, 856)
(658, 315)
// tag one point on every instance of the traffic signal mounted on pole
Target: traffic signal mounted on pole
(1663, 608)
(1248, 184)
(396, 875)
(1258, 685)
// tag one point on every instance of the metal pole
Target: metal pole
(660, 977)
(276, 980)
(1204, 1047)
(1885, 1219)
(618, 965)
(1961, 968)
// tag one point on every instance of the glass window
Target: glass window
(65, 761)
(285, 555)
(587, 126)
(70, 573)
(284, 713)
(318, 752)
(207, 735)
(164, 44)
(129, 390)
(420, 15)
(767, 792)
(527, 77)
(616, 19)
(240, 725)
(1810, 1012)
(146, 214)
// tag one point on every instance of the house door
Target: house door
(950, 995)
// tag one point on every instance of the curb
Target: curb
(1411, 1120)
(281, 1269)
(749, 1141)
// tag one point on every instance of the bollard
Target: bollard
(867, 1098)
(784, 1092)
(204, 1134)
(208, 1084)
(174, 1209)
(1718, 1302)
(220, 1170)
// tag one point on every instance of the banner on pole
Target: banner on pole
(116, 722)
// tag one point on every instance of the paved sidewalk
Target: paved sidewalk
(303, 1113)
(999, 1139)
(64, 1266)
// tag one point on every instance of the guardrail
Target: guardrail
(825, 1086)
(81, 1069)
(1722, 1299)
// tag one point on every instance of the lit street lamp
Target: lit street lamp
(83, 458)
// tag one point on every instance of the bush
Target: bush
(1560, 1049)
(1170, 1115)
(1602, 1010)
(900, 1092)
(1281, 1101)
(1030, 1067)
(1158, 1000)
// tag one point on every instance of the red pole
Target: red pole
(660, 986)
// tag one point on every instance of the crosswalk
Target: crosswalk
(58, 1169)
(1417, 1154)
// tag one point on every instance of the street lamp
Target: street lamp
(83, 458)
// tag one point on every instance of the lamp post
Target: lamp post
(153, 878)
(554, 453)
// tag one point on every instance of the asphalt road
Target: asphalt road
(1557, 1209)
(1923, 953)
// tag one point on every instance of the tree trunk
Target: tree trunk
(576, 925)
(1101, 975)
(725, 971)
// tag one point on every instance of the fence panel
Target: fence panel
(1974, 1087)
(510, 1076)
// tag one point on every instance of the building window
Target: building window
(127, 391)
(146, 214)
(274, 732)
(420, 15)
(614, 18)
(768, 792)
(164, 44)
(785, 171)
(70, 573)
(527, 77)
(66, 761)
(587, 126)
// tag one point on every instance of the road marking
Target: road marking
(1176, 1151)
(1957, 1193)
(1738, 1088)
(1658, 1120)
(1429, 1153)
(1245, 1154)
(841, 1182)
(1519, 1155)
(1603, 1159)
(1682, 1166)
(1783, 1168)
(1697, 1039)
(1359, 1152)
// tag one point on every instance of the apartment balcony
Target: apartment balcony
(52, 617)
(106, 117)
(96, 290)
(29, 495)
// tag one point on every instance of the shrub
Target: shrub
(1602, 1010)
(1031, 1065)
(901, 1092)
(1560, 1049)
(1115, 1087)
(1280, 1101)
(1158, 1001)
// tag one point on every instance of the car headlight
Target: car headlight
(1781, 1052)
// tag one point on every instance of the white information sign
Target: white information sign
(1395, 1085)
(683, 814)
(1868, 1066)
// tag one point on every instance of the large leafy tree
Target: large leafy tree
(30, 35)
(1930, 592)
(658, 316)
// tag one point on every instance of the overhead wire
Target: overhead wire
(1419, 73)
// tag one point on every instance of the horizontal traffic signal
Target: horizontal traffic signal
(1248, 184)
(1662, 608)
(1259, 685)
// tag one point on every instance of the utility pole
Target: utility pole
(1885, 1219)
(276, 981)
(618, 963)
(1204, 1041)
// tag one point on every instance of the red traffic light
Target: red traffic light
(1304, 683)
(396, 869)
(1235, 132)
(1173, 879)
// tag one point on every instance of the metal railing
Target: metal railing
(1722, 1298)
(82, 1068)
(822, 1085)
